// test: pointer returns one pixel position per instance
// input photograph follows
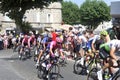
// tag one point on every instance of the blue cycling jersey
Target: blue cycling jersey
(44, 40)
(92, 40)
(89, 44)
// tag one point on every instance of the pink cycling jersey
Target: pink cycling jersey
(54, 46)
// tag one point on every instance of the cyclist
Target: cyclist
(105, 36)
(56, 45)
(107, 51)
(92, 41)
(44, 44)
(24, 43)
(82, 42)
(112, 32)
(32, 41)
(53, 34)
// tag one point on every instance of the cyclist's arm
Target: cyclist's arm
(44, 46)
(23, 42)
(93, 47)
(79, 40)
(34, 42)
(51, 49)
(29, 43)
(112, 53)
(93, 43)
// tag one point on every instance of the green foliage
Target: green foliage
(70, 12)
(16, 9)
(93, 12)
(26, 27)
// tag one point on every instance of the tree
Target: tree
(70, 12)
(93, 12)
(16, 9)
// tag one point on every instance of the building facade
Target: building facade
(115, 12)
(47, 17)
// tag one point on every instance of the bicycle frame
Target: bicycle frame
(113, 77)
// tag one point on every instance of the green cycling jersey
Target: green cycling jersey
(105, 46)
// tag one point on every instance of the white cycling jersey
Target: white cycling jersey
(94, 38)
(114, 44)
(83, 38)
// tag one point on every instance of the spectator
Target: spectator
(1, 42)
(118, 32)
(5, 41)
(54, 35)
(112, 32)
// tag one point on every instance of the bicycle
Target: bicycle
(36, 53)
(88, 63)
(49, 69)
(93, 74)
(25, 53)
(62, 62)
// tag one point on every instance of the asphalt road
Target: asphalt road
(7, 72)
(26, 70)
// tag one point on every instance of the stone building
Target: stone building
(47, 17)
(115, 12)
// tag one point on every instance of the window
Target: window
(48, 18)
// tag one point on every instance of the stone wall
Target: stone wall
(50, 16)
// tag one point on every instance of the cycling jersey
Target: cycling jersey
(25, 41)
(92, 40)
(114, 44)
(44, 40)
(105, 48)
(31, 41)
(39, 39)
(84, 41)
(54, 46)
(54, 35)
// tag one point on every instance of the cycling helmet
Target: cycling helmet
(17, 36)
(25, 36)
(45, 35)
(104, 32)
(59, 40)
(33, 36)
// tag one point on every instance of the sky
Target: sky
(79, 2)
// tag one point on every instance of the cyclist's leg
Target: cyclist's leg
(106, 59)
(39, 56)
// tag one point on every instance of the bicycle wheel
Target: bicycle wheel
(117, 78)
(35, 55)
(90, 64)
(92, 75)
(41, 72)
(62, 62)
(54, 72)
(77, 67)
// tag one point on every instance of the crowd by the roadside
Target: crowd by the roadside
(6, 41)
